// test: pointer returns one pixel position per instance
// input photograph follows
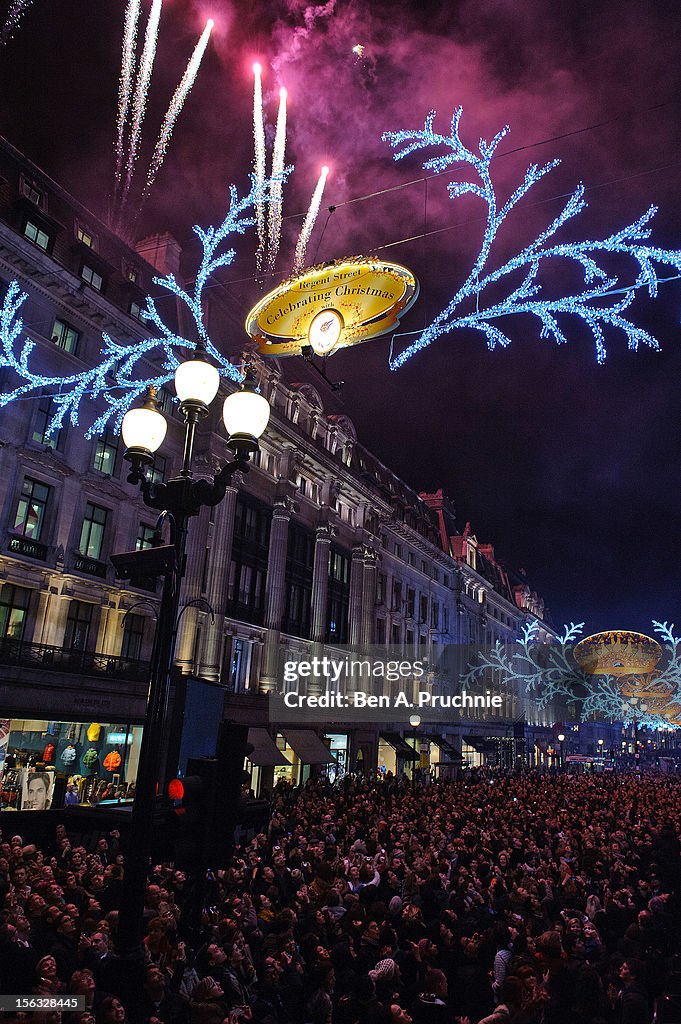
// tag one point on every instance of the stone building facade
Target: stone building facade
(319, 544)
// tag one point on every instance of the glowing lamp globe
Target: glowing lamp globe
(196, 382)
(246, 414)
(144, 429)
(414, 721)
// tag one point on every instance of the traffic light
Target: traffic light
(206, 800)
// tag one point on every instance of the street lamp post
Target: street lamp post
(245, 414)
(561, 740)
(414, 721)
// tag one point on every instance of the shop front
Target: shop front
(67, 739)
(46, 763)
(304, 753)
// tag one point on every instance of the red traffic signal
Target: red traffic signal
(192, 789)
(176, 789)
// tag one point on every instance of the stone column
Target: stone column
(320, 582)
(355, 607)
(369, 597)
(275, 590)
(197, 541)
(320, 593)
(218, 577)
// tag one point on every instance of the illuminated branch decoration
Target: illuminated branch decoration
(547, 670)
(600, 304)
(128, 371)
(550, 672)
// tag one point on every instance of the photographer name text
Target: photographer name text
(360, 699)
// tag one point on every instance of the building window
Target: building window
(410, 638)
(423, 610)
(338, 597)
(64, 336)
(32, 193)
(145, 537)
(445, 619)
(397, 596)
(411, 558)
(91, 277)
(398, 550)
(339, 566)
(135, 310)
(14, 603)
(32, 508)
(78, 626)
(411, 603)
(37, 235)
(84, 236)
(380, 632)
(166, 402)
(238, 666)
(435, 615)
(395, 634)
(380, 588)
(106, 452)
(92, 531)
(158, 471)
(299, 572)
(44, 416)
(133, 637)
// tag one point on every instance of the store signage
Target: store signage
(332, 306)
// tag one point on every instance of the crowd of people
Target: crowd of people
(500, 898)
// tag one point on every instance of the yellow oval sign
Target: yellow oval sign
(365, 296)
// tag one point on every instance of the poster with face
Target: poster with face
(37, 791)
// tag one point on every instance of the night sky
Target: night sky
(570, 469)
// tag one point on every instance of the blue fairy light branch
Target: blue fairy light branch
(126, 372)
(549, 672)
(599, 305)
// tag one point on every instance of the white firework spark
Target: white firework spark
(139, 103)
(128, 60)
(259, 161)
(309, 222)
(277, 187)
(175, 108)
(16, 11)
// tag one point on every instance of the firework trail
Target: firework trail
(16, 11)
(309, 222)
(132, 14)
(259, 161)
(139, 103)
(175, 108)
(277, 187)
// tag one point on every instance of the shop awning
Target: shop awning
(265, 751)
(401, 748)
(447, 748)
(308, 746)
(483, 744)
